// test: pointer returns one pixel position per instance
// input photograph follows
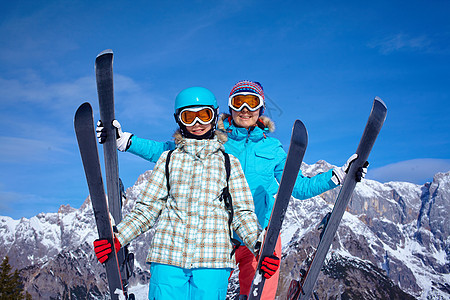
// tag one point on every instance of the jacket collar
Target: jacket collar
(200, 148)
(258, 132)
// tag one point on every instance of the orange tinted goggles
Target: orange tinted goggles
(189, 116)
(252, 102)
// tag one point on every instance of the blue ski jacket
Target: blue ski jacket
(262, 158)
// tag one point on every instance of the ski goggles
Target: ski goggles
(203, 114)
(251, 101)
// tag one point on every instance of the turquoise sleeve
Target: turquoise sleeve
(148, 149)
(307, 187)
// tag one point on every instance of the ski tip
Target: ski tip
(84, 106)
(378, 99)
(105, 52)
(299, 134)
(298, 125)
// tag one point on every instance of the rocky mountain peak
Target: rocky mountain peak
(393, 241)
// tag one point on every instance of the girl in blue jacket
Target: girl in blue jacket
(262, 158)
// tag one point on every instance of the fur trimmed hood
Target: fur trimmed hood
(219, 134)
(264, 120)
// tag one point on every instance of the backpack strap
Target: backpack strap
(228, 201)
(227, 164)
(167, 169)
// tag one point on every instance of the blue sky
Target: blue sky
(321, 62)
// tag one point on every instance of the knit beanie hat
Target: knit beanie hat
(249, 87)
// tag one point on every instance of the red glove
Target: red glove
(270, 265)
(102, 248)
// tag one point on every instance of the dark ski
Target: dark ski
(304, 289)
(297, 148)
(105, 91)
(87, 142)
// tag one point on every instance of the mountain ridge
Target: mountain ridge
(398, 231)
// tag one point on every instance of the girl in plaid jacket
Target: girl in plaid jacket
(190, 251)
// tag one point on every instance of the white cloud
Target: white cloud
(22, 150)
(37, 120)
(400, 42)
(31, 87)
(62, 98)
(416, 171)
(18, 205)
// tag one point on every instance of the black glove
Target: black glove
(339, 174)
(123, 139)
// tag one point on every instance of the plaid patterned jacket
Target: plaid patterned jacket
(191, 222)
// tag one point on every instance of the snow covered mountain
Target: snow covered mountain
(393, 243)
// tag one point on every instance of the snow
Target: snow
(8, 227)
(140, 291)
(441, 257)
(358, 227)
(367, 189)
(296, 214)
(10, 223)
(120, 294)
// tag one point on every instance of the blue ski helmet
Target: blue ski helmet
(194, 96)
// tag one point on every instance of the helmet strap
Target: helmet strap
(207, 136)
